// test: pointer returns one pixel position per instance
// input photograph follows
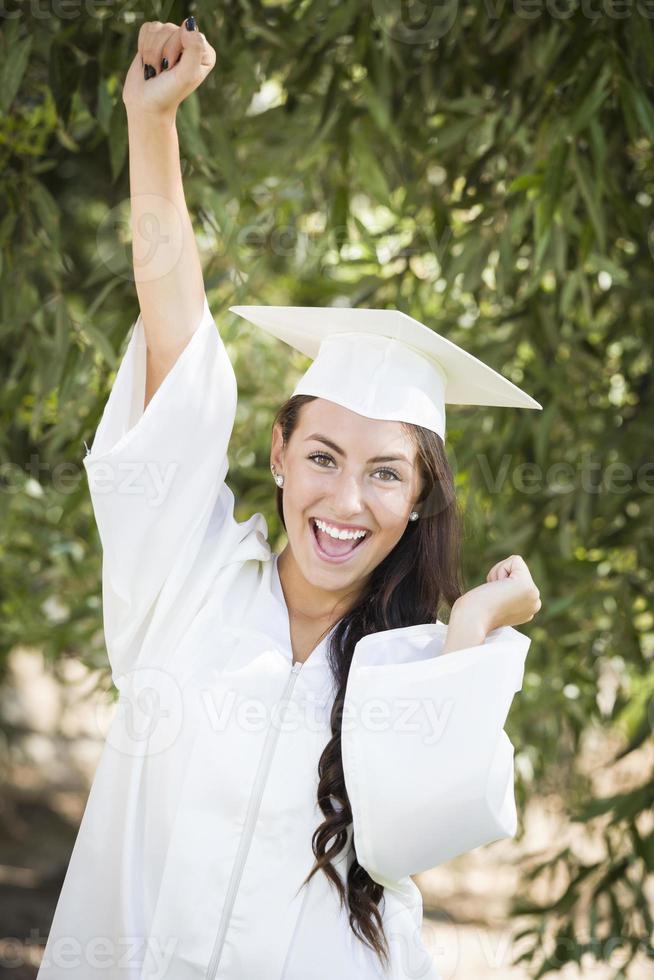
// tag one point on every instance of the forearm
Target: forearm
(464, 630)
(167, 269)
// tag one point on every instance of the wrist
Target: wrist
(465, 610)
(461, 638)
(139, 118)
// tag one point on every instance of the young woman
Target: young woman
(296, 734)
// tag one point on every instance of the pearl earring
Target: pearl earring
(414, 515)
(279, 479)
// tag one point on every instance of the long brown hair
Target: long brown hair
(406, 588)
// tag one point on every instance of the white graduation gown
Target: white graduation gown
(197, 831)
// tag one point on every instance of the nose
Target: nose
(348, 497)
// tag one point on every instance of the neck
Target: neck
(307, 602)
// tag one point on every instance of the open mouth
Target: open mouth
(335, 549)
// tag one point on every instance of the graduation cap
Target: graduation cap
(384, 364)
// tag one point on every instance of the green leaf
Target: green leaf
(16, 58)
(338, 216)
(644, 113)
(104, 105)
(590, 187)
(525, 182)
(589, 108)
(371, 176)
(118, 140)
(380, 111)
(47, 210)
(101, 343)
(568, 294)
(474, 104)
(222, 150)
(453, 133)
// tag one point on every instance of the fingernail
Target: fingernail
(190, 24)
(149, 72)
(164, 64)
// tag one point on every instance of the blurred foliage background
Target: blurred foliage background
(488, 169)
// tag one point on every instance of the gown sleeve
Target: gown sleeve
(428, 766)
(157, 480)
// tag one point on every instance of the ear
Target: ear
(277, 448)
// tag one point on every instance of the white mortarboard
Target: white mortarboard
(384, 364)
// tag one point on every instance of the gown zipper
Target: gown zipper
(248, 830)
(296, 931)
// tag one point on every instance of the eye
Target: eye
(316, 456)
(383, 469)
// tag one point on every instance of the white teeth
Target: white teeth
(336, 533)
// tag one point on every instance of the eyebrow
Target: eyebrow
(341, 452)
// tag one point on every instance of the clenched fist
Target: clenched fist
(509, 596)
(187, 58)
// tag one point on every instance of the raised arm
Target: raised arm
(157, 471)
(167, 269)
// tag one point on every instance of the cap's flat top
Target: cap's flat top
(469, 380)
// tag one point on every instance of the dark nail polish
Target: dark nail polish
(149, 72)
(164, 64)
(190, 24)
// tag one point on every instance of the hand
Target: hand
(509, 597)
(190, 59)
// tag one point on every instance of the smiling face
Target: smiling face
(348, 472)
